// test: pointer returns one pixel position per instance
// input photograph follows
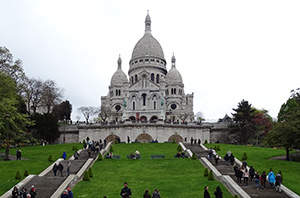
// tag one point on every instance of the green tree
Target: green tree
(286, 131)
(262, 124)
(243, 126)
(46, 127)
(63, 110)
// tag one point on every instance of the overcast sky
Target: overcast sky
(226, 51)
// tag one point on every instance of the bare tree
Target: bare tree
(51, 95)
(88, 111)
(199, 117)
(104, 112)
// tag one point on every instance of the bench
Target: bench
(157, 156)
(135, 157)
(114, 157)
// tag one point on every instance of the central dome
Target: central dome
(147, 52)
(147, 46)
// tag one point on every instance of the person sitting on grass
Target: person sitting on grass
(182, 154)
(132, 156)
(177, 155)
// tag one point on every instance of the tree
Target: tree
(88, 111)
(286, 131)
(63, 110)
(199, 117)
(51, 95)
(10, 67)
(46, 127)
(104, 112)
(263, 124)
(243, 126)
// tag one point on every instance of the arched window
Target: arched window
(144, 82)
(133, 105)
(144, 99)
(135, 78)
(116, 92)
(152, 77)
(174, 91)
(131, 79)
(154, 105)
(157, 78)
(119, 92)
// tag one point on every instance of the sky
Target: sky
(226, 51)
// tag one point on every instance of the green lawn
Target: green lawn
(259, 158)
(35, 161)
(172, 177)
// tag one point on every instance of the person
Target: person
(32, 192)
(240, 175)
(271, 178)
(217, 158)
(137, 154)
(60, 168)
(182, 154)
(236, 171)
(210, 153)
(146, 194)
(244, 164)
(125, 192)
(55, 168)
(246, 176)
(177, 155)
(23, 193)
(68, 168)
(76, 155)
(206, 193)
(231, 159)
(64, 194)
(111, 155)
(278, 182)
(70, 193)
(218, 193)
(256, 179)
(64, 155)
(15, 192)
(156, 194)
(19, 154)
(263, 180)
(251, 172)
(132, 156)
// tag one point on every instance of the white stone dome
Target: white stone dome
(119, 77)
(173, 76)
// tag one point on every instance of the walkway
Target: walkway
(46, 184)
(228, 170)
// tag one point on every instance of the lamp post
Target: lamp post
(7, 116)
(64, 138)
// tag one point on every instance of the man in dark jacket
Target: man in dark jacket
(125, 192)
(60, 168)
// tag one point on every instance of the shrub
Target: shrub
(194, 156)
(116, 141)
(111, 149)
(83, 141)
(205, 142)
(90, 172)
(26, 173)
(205, 172)
(210, 175)
(244, 156)
(218, 148)
(100, 158)
(235, 196)
(86, 176)
(18, 176)
(50, 159)
(174, 141)
(179, 148)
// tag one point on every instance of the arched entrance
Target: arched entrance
(153, 118)
(132, 118)
(144, 138)
(143, 118)
(175, 137)
(113, 138)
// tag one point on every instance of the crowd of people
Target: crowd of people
(24, 193)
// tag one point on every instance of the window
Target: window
(174, 91)
(116, 92)
(133, 106)
(157, 78)
(147, 60)
(131, 79)
(144, 99)
(141, 60)
(167, 92)
(154, 105)
(152, 77)
(173, 106)
(135, 78)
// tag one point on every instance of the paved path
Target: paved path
(228, 170)
(48, 184)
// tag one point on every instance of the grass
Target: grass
(259, 158)
(35, 161)
(171, 176)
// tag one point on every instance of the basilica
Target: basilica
(150, 92)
